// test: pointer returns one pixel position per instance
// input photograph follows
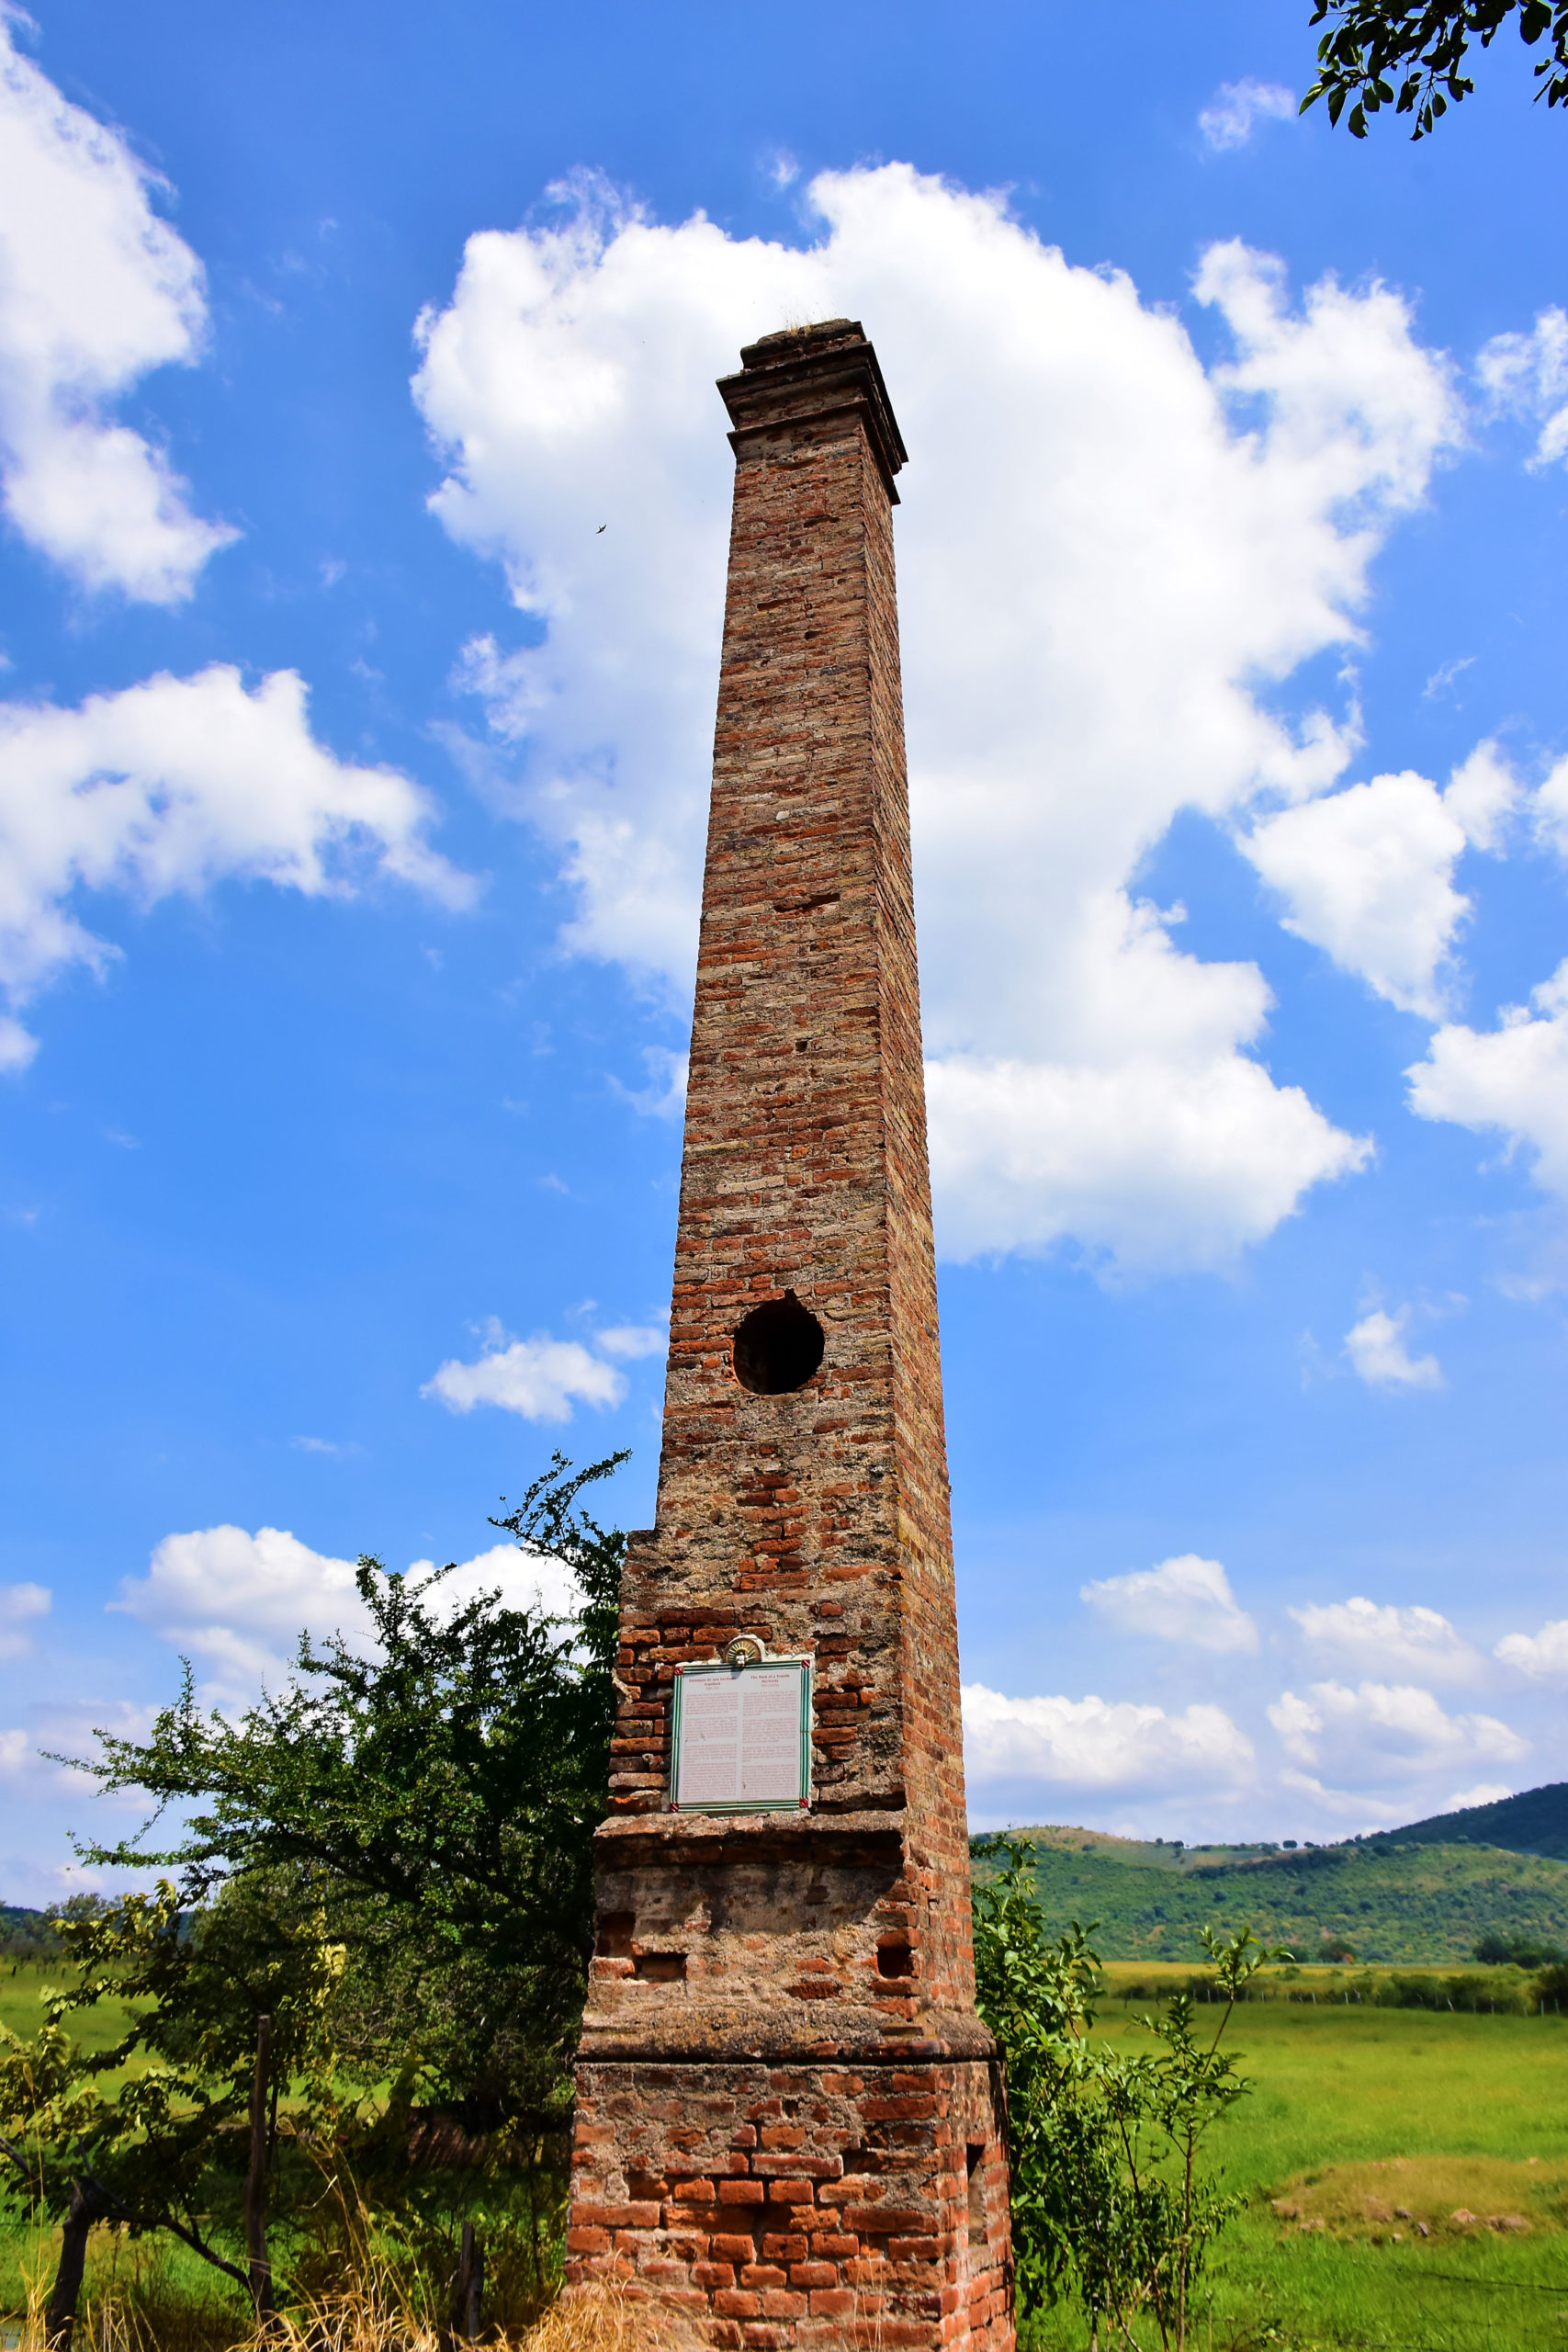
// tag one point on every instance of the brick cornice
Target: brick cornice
(810, 377)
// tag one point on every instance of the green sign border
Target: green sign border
(799, 1803)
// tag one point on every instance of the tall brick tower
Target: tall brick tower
(789, 2128)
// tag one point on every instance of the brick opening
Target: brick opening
(615, 1934)
(974, 2157)
(660, 1967)
(777, 1346)
(894, 1959)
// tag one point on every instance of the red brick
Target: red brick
(884, 2221)
(731, 2249)
(833, 2302)
(741, 2192)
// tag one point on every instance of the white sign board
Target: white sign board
(741, 1737)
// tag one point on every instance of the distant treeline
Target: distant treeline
(27, 1935)
(1504, 1992)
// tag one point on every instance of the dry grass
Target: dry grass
(601, 2318)
(597, 2319)
(1432, 2200)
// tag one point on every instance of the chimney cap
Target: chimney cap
(796, 373)
(837, 330)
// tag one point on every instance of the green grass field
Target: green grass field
(22, 1988)
(1355, 2114)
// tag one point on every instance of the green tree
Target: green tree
(167, 2147)
(439, 1785)
(407, 1824)
(1380, 53)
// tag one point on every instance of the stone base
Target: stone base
(798, 2204)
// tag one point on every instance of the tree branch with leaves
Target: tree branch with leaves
(1377, 53)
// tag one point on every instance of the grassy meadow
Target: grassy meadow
(22, 1988)
(1355, 2114)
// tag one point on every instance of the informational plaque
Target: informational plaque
(741, 1737)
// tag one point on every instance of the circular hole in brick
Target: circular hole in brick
(777, 1346)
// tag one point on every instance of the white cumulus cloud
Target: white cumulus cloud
(1512, 1080)
(1183, 1600)
(1379, 1356)
(1412, 1641)
(1551, 810)
(1367, 873)
(1157, 1163)
(238, 1601)
(1528, 375)
(1350, 1746)
(631, 1341)
(171, 786)
(95, 290)
(1110, 562)
(1543, 1656)
(1234, 111)
(541, 1378)
(1099, 1745)
(19, 1604)
(1484, 1792)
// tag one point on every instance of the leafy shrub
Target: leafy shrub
(1110, 2201)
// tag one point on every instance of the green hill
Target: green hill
(1399, 1898)
(1533, 1822)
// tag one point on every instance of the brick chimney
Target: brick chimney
(788, 2120)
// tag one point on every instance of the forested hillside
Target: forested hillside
(1536, 1822)
(1394, 1899)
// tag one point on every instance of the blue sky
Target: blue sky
(351, 782)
